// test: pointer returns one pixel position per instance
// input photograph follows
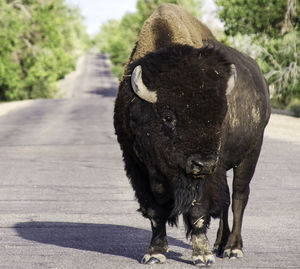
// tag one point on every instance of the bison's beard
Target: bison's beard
(211, 194)
(188, 191)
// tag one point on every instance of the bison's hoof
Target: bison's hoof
(203, 260)
(153, 259)
(233, 253)
(218, 251)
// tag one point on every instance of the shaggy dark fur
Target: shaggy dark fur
(183, 93)
(194, 117)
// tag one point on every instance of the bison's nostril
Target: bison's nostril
(197, 163)
(197, 167)
(212, 168)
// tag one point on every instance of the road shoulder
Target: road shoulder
(9, 106)
(283, 127)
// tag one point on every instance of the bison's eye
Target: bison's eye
(169, 120)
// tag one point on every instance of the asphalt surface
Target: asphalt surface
(65, 201)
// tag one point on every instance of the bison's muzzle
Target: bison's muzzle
(198, 167)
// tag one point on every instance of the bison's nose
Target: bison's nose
(199, 167)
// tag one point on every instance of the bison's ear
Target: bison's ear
(232, 79)
(139, 87)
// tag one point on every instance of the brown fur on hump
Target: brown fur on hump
(170, 24)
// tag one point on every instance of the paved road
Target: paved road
(65, 201)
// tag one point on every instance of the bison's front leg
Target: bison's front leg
(202, 254)
(159, 243)
(196, 224)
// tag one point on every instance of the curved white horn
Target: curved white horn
(232, 79)
(139, 87)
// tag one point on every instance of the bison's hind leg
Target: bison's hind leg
(222, 235)
(223, 231)
(243, 174)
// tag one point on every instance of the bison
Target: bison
(190, 108)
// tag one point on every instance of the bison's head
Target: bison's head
(178, 112)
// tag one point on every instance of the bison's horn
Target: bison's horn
(232, 79)
(139, 87)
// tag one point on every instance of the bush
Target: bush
(40, 42)
(269, 31)
(294, 106)
(279, 61)
(281, 64)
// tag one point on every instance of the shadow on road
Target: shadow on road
(105, 92)
(101, 56)
(111, 239)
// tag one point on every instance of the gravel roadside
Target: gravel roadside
(9, 106)
(284, 127)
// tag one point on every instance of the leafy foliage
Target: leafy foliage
(270, 32)
(117, 38)
(294, 106)
(281, 64)
(254, 16)
(39, 43)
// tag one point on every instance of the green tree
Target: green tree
(256, 16)
(269, 31)
(117, 38)
(39, 43)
